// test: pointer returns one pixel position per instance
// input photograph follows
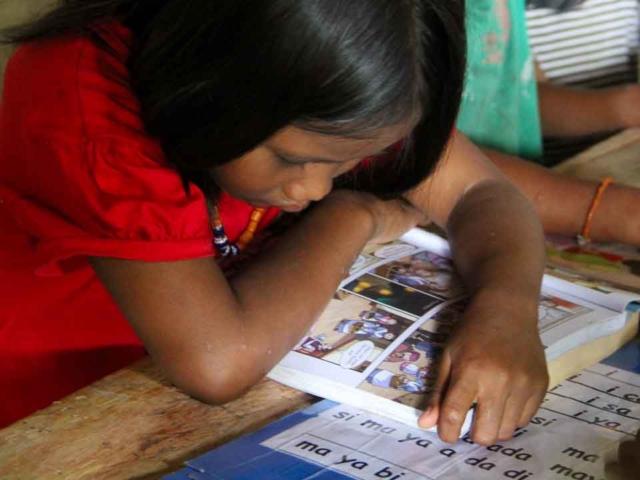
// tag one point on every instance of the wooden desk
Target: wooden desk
(134, 425)
(618, 157)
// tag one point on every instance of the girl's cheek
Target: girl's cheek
(347, 166)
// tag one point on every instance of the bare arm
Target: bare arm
(216, 338)
(495, 355)
(562, 201)
(475, 201)
(566, 112)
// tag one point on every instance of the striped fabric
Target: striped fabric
(595, 45)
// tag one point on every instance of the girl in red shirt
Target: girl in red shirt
(129, 128)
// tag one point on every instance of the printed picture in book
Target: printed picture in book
(595, 266)
(373, 325)
(553, 310)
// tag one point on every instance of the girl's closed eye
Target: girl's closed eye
(288, 162)
(301, 163)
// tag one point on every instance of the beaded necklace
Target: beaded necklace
(226, 248)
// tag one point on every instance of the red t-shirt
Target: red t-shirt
(79, 177)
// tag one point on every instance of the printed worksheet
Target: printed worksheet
(574, 435)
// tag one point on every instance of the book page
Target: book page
(379, 340)
(385, 329)
(606, 274)
(575, 434)
(566, 322)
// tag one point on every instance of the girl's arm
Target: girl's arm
(495, 356)
(563, 201)
(567, 112)
(215, 338)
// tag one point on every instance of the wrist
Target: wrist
(512, 303)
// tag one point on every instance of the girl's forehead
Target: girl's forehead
(317, 146)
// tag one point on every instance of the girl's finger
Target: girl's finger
(429, 417)
(455, 406)
(512, 414)
(432, 413)
(531, 407)
(488, 415)
(629, 454)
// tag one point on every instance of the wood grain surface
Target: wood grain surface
(133, 424)
(618, 157)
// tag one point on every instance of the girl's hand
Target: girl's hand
(627, 463)
(493, 360)
(391, 219)
(494, 357)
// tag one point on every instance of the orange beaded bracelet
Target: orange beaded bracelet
(585, 235)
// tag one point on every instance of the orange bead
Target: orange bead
(247, 235)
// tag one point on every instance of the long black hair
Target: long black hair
(215, 78)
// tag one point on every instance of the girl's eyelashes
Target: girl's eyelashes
(288, 162)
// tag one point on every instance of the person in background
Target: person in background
(506, 112)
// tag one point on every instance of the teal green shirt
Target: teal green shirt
(500, 100)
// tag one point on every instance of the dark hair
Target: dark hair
(216, 78)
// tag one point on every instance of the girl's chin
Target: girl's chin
(294, 208)
(285, 207)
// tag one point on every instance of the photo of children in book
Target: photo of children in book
(408, 372)
(619, 265)
(426, 272)
(353, 332)
(394, 295)
(553, 311)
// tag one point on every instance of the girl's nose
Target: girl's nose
(311, 188)
(318, 189)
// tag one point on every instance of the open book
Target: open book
(377, 344)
